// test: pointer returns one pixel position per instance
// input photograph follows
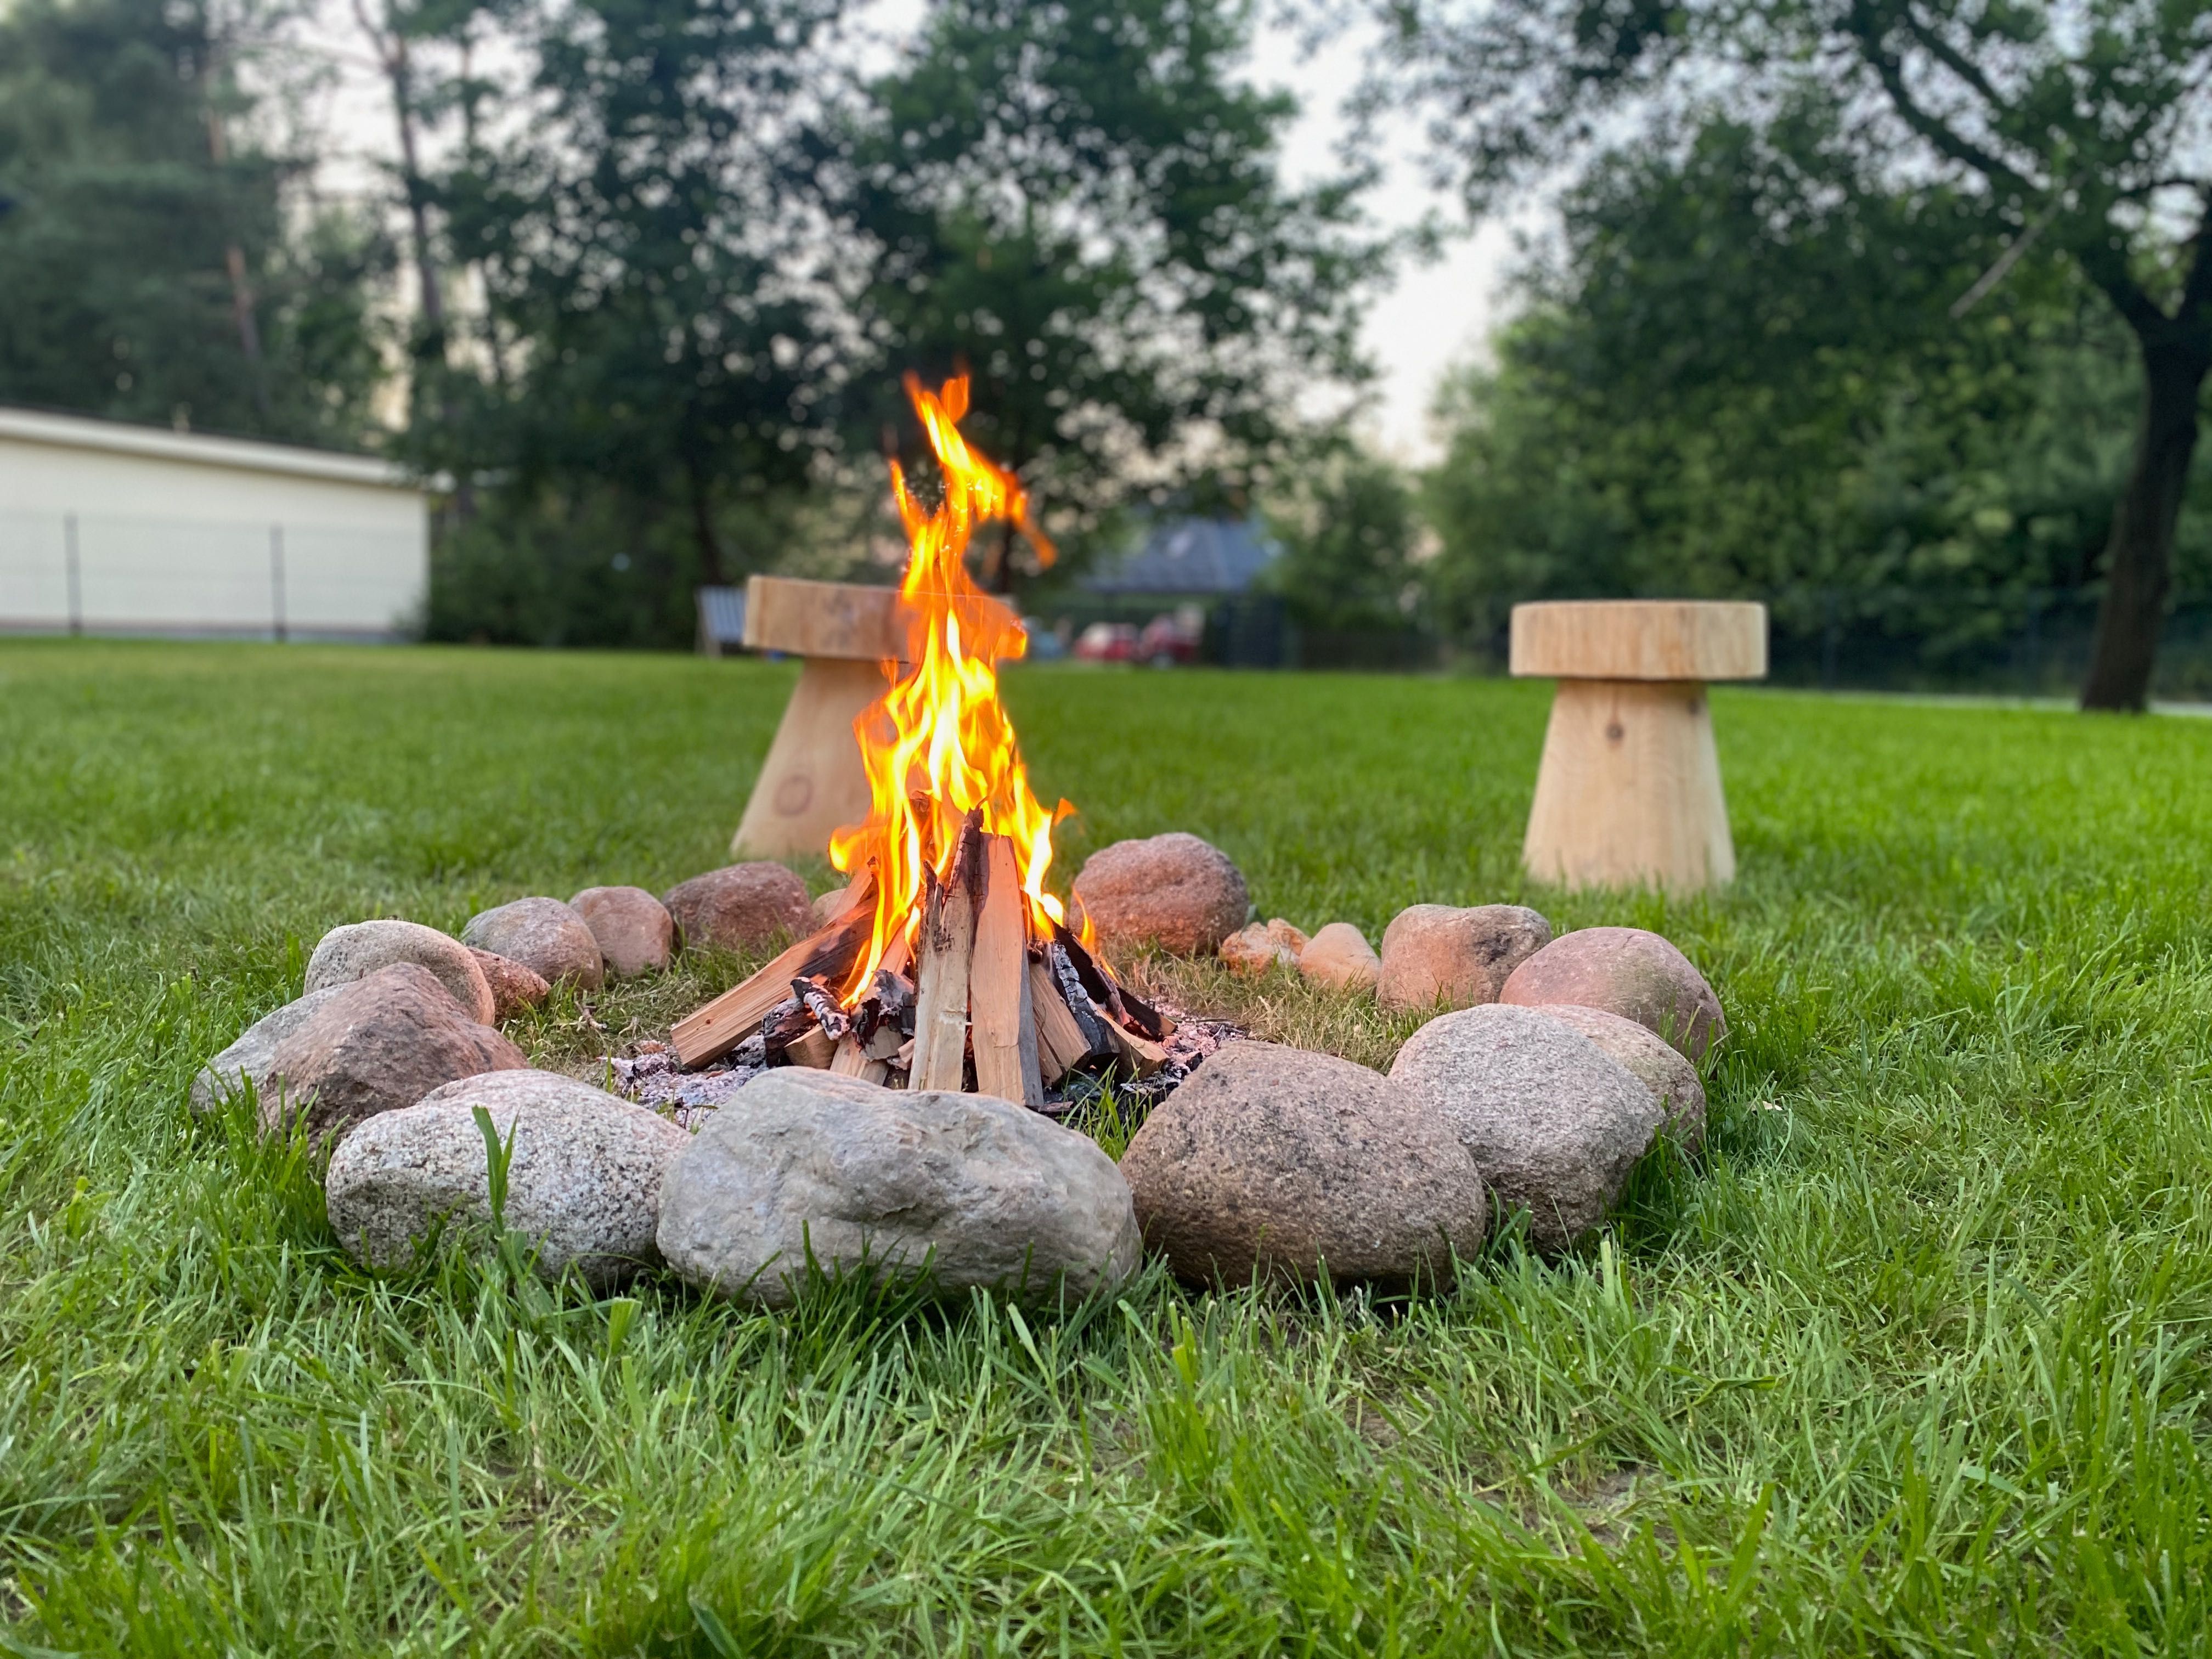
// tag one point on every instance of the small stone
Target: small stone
(636, 934)
(1282, 1163)
(384, 1044)
(1339, 957)
(1253, 951)
(830, 906)
(1174, 891)
(742, 907)
(891, 1182)
(1625, 971)
(1288, 936)
(249, 1059)
(361, 948)
(1553, 1123)
(545, 935)
(1439, 955)
(583, 1178)
(1672, 1079)
(513, 987)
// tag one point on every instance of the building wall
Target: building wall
(116, 529)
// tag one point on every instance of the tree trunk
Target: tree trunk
(2138, 551)
(702, 527)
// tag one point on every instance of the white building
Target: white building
(113, 529)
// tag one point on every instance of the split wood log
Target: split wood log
(709, 1032)
(1116, 999)
(948, 949)
(853, 1059)
(812, 782)
(814, 1049)
(1628, 793)
(1004, 1022)
(1060, 1044)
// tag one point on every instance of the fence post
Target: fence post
(276, 578)
(75, 579)
(1831, 638)
(2034, 641)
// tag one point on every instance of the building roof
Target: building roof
(1191, 555)
(159, 443)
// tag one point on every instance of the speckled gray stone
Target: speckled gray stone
(885, 1181)
(381, 1044)
(544, 936)
(636, 934)
(583, 1185)
(1674, 1082)
(249, 1058)
(361, 948)
(740, 907)
(1554, 1123)
(1439, 955)
(1174, 891)
(1626, 971)
(1280, 1162)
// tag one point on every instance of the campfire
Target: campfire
(948, 965)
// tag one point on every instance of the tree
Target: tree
(652, 236)
(1081, 203)
(153, 268)
(1350, 535)
(2078, 129)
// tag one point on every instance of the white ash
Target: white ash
(655, 1078)
(1193, 1040)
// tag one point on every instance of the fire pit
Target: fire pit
(949, 965)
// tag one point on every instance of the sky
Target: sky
(1436, 317)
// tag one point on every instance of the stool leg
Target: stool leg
(812, 782)
(1629, 790)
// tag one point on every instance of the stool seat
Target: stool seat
(1640, 640)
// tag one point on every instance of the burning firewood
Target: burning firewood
(950, 967)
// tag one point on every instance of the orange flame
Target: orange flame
(938, 744)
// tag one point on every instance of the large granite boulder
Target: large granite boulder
(513, 987)
(1625, 971)
(1440, 955)
(636, 934)
(384, 1043)
(543, 934)
(741, 907)
(1554, 1123)
(891, 1182)
(583, 1176)
(1674, 1082)
(361, 948)
(1285, 1164)
(1174, 891)
(250, 1058)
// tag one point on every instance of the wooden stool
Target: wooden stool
(812, 782)
(1629, 790)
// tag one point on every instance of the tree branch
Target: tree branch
(1868, 29)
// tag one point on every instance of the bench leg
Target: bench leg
(812, 782)
(1629, 790)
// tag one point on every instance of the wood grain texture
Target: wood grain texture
(1002, 1018)
(1629, 790)
(823, 619)
(812, 782)
(1640, 640)
(941, 976)
(1060, 1044)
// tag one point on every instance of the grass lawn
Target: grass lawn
(1914, 1365)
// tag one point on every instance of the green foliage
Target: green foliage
(1739, 374)
(1912, 1362)
(1081, 203)
(1349, 530)
(117, 221)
